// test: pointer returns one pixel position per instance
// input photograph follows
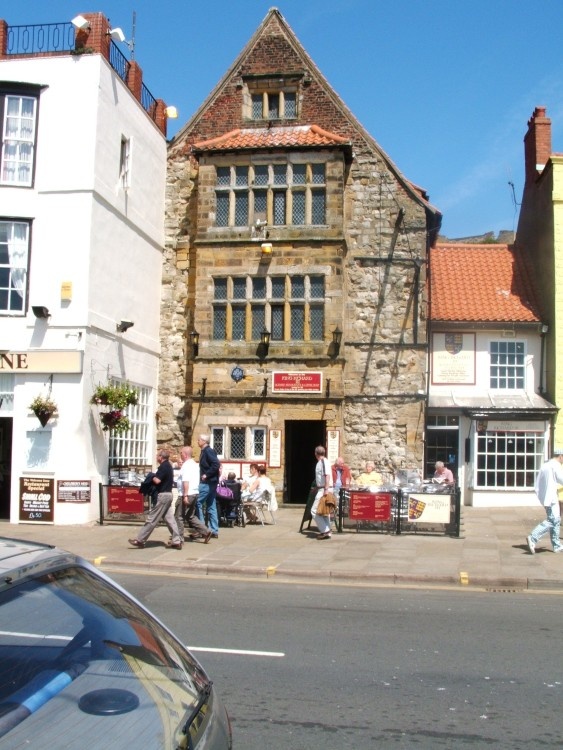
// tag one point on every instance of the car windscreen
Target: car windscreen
(74, 649)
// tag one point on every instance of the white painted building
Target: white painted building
(488, 416)
(82, 180)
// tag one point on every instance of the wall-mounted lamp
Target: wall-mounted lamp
(266, 248)
(171, 113)
(124, 325)
(81, 23)
(264, 346)
(40, 311)
(544, 328)
(117, 35)
(335, 343)
(203, 388)
(194, 335)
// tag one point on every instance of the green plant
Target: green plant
(115, 421)
(118, 395)
(43, 407)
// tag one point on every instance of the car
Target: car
(84, 663)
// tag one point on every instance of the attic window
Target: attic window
(271, 105)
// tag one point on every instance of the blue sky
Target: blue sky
(446, 87)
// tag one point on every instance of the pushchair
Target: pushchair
(229, 504)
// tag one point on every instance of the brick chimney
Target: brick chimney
(537, 144)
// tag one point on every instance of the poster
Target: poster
(36, 499)
(453, 358)
(426, 508)
(275, 449)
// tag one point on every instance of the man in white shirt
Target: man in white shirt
(188, 490)
(550, 475)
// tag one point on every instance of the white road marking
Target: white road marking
(242, 652)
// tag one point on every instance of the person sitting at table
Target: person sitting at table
(370, 477)
(341, 476)
(442, 475)
(257, 488)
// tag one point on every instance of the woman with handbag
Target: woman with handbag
(323, 483)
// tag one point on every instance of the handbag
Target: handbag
(327, 504)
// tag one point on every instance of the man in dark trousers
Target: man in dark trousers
(164, 481)
(208, 479)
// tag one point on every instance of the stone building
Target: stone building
(294, 307)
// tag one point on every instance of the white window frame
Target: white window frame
(14, 235)
(16, 141)
(125, 163)
(250, 442)
(132, 448)
(496, 455)
(516, 368)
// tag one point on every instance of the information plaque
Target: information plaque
(370, 506)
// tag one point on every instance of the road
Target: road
(351, 667)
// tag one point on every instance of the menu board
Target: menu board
(74, 491)
(125, 500)
(370, 506)
(36, 499)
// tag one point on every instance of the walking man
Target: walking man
(164, 480)
(550, 475)
(208, 479)
(188, 490)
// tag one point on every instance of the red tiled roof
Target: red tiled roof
(276, 137)
(485, 283)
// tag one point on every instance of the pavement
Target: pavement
(490, 553)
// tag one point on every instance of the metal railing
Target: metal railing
(148, 102)
(39, 38)
(119, 62)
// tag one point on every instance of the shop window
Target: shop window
(508, 460)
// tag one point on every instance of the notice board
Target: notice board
(370, 506)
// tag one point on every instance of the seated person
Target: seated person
(228, 506)
(258, 486)
(370, 477)
(250, 484)
(442, 475)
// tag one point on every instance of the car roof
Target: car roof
(19, 557)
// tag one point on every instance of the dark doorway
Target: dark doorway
(6, 424)
(301, 439)
(441, 445)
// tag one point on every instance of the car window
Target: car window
(72, 646)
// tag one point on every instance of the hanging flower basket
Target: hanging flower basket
(43, 407)
(115, 421)
(118, 395)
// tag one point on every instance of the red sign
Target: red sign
(125, 500)
(370, 506)
(297, 382)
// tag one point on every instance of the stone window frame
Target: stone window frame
(283, 88)
(237, 306)
(223, 445)
(243, 195)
